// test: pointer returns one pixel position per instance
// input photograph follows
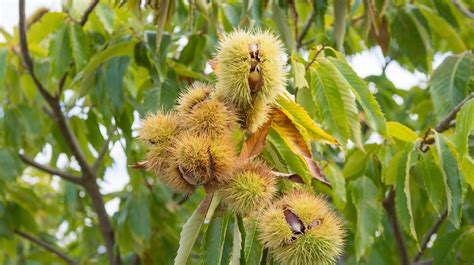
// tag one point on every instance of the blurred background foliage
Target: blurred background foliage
(106, 69)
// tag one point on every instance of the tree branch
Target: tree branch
(315, 56)
(88, 175)
(463, 9)
(47, 246)
(102, 154)
(25, 54)
(445, 124)
(50, 170)
(389, 205)
(88, 11)
(306, 28)
(428, 236)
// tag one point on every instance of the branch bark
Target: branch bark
(389, 205)
(428, 236)
(445, 124)
(88, 11)
(47, 246)
(306, 28)
(50, 170)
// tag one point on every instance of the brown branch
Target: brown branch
(315, 56)
(50, 170)
(105, 225)
(463, 9)
(88, 176)
(25, 53)
(306, 28)
(88, 11)
(429, 234)
(389, 205)
(47, 246)
(102, 154)
(445, 124)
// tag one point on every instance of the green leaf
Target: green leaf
(298, 72)
(253, 248)
(449, 83)
(442, 28)
(10, 165)
(369, 213)
(338, 183)
(412, 38)
(237, 244)
(452, 179)
(464, 126)
(60, 52)
(48, 23)
(403, 204)
(139, 218)
(191, 228)
(80, 45)
(361, 90)
(280, 17)
(401, 132)
(215, 238)
(335, 101)
(3, 64)
(446, 247)
(115, 72)
(433, 181)
(303, 121)
(340, 10)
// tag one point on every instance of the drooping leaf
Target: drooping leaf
(237, 244)
(192, 227)
(403, 204)
(253, 248)
(452, 179)
(60, 52)
(340, 10)
(401, 132)
(255, 144)
(464, 126)
(9, 164)
(336, 102)
(433, 181)
(362, 93)
(442, 28)
(412, 38)
(296, 142)
(369, 213)
(445, 248)
(215, 238)
(80, 45)
(449, 83)
(303, 121)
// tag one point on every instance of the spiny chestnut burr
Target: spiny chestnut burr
(202, 159)
(250, 187)
(196, 93)
(210, 118)
(301, 228)
(250, 73)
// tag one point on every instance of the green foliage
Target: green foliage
(370, 138)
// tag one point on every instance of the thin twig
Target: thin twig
(315, 56)
(445, 124)
(88, 11)
(389, 205)
(429, 234)
(102, 154)
(294, 14)
(463, 9)
(160, 26)
(47, 246)
(306, 28)
(50, 170)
